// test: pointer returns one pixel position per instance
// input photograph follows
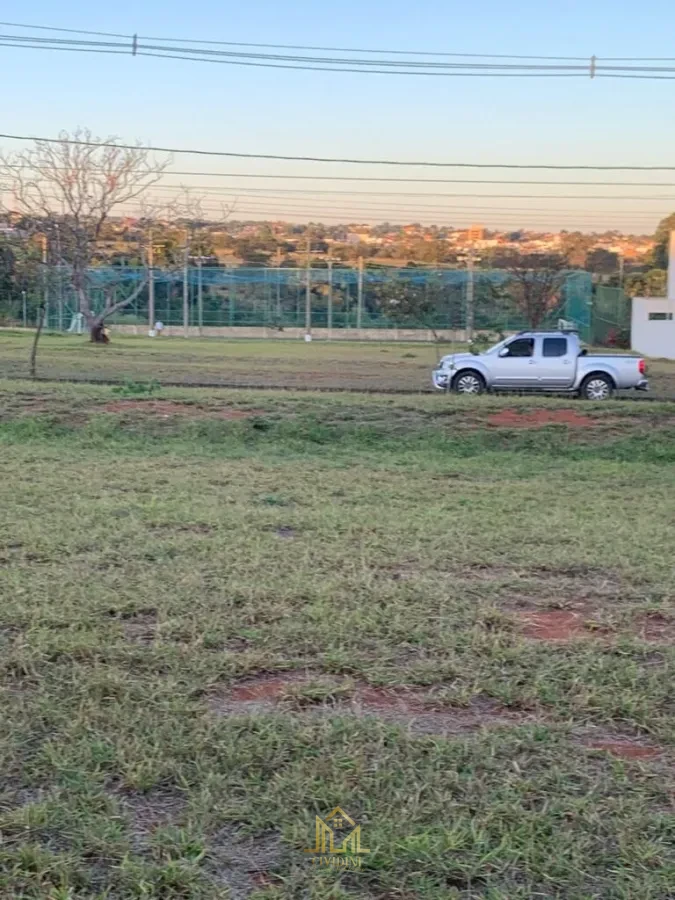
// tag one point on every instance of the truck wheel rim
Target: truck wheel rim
(597, 389)
(468, 384)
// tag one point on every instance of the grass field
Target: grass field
(263, 363)
(272, 363)
(225, 613)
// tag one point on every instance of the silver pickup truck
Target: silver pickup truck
(549, 361)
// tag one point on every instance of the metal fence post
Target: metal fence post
(470, 305)
(200, 298)
(186, 288)
(186, 299)
(151, 286)
(329, 323)
(308, 298)
(45, 279)
(359, 296)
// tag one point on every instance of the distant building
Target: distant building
(653, 318)
(476, 233)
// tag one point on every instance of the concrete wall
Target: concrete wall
(297, 334)
(653, 337)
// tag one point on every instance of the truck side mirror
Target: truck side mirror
(504, 352)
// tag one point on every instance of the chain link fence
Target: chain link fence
(333, 298)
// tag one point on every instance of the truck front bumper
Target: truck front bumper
(642, 385)
(441, 379)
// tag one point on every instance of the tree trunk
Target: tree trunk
(96, 323)
(38, 331)
(97, 333)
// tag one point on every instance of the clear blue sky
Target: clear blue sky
(266, 110)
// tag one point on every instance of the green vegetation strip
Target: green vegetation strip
(406, 574)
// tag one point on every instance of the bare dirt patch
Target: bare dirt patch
(167, 408)
(243, 862)
(538, 418)
(266, 687)
(656, 628)
(138, 626)
(287, 532)
(140, 631)
(147, 812)
(417, 709)
(554, 625)
(626, 749)
(184, 527)
(621, 744)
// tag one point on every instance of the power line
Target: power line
(393, 179)
(554, 67)
(292, 46)
(398, 52)
(341, 160)
(324, 68)
(315, 64)
(398, 179)
(229, 189)
(410, 210)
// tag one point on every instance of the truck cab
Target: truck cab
(536, 361)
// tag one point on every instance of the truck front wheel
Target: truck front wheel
(468, 382)
(597, 387)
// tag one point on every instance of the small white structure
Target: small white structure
(652, 331)
(76, 324)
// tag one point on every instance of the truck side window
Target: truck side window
(555, 347)
(521, 347)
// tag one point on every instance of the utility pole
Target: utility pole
(621, 269)
(45, 279)
(308, 293)
(151, 284)
(469, 295)
(25, 309)
(59, 262)
(330, 299)
(279, 286)
(359, 296)
(186, 294)
(200, 299)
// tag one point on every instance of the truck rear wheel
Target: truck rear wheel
(468, 382)
(597, 387)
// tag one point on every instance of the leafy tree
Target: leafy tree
(20, 272)
(251, 253)
(602, 261)
(575, 247)
(647, 284)
(659, 255)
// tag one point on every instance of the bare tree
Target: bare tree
(75, 184)
(535, 283)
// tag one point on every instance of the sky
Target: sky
(533, 120)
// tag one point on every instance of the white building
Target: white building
(652, 330)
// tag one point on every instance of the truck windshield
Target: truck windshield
(495, 346)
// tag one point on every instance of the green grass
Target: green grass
(158, 551)
(375, 366)
(260, 363)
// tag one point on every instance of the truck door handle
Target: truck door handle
(533, 362)
(566, 362)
